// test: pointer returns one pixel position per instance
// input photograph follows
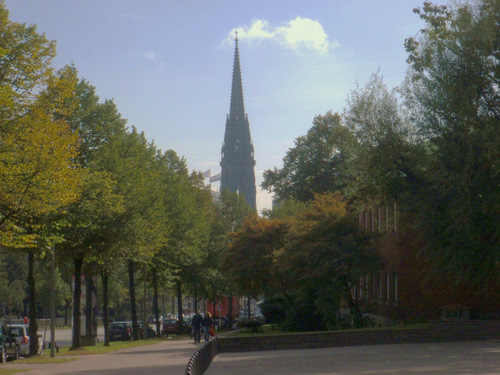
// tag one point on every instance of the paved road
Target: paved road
(466, 358)
(171, 357)
(63, 336)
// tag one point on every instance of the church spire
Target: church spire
(237, 108)
(237, 154)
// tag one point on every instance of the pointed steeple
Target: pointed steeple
(237, 154)
(237, 107)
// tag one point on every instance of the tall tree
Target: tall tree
(249, 259)
(325, 255)
(91, 224)
(452, 91)
(315, 164)
(383, 156)
(38, 174)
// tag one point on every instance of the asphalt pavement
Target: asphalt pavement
(463, 358)
(171, 357)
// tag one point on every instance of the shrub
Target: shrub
(252, 324)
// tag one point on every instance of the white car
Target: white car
(20, 332)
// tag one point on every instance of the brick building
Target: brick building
(407, 289)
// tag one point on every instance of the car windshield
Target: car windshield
(118, 325)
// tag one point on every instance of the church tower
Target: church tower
(237, 158)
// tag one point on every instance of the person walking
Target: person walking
(196, 323)
(207, 323)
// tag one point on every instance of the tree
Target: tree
(315, 164)
(62, 289)
(13, 270)
(325, 255)
(25, 59)
(384, 155)
(452, 91)
(38, 174)
(91, 227)
(188, 208)
(249, 259)
(286, 209)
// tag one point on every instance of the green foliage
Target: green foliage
(453, 97)
(38, 173)
(383, 157)
(249, 257)
(253, 325)
(286, 209)
(325, 254)
(315, 164)
(25, 58)
(12, 282)
(62, 289)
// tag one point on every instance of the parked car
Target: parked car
(151, 332)
(120, 331)
(170, 326)
(9, 348)
(20, 332)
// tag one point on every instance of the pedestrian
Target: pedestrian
(207, 324)
(25, 319)
(196, 324)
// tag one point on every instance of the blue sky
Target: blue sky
(168, 63)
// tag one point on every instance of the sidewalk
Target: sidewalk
(165, 358)
(464, 358)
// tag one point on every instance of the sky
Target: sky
(167, 64)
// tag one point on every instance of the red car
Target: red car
(170, 326)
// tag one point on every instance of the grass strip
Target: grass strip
(11, 371)
(100, 348)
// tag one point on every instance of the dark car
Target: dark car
(8, 344)
(151, 331)
(120, 331)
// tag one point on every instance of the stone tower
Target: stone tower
(237, 154)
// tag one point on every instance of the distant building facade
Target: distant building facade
(237, 153)
(408, 289)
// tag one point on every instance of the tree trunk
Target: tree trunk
(88, 305)
(179, 303)
(105, 304)
(155, 302)
(77, 293)
(32, 313)
(133, 311)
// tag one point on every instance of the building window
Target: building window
(380, 288)
(387, 287)
(395, 278)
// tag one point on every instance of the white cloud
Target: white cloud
(300, 33)
(150, 55)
